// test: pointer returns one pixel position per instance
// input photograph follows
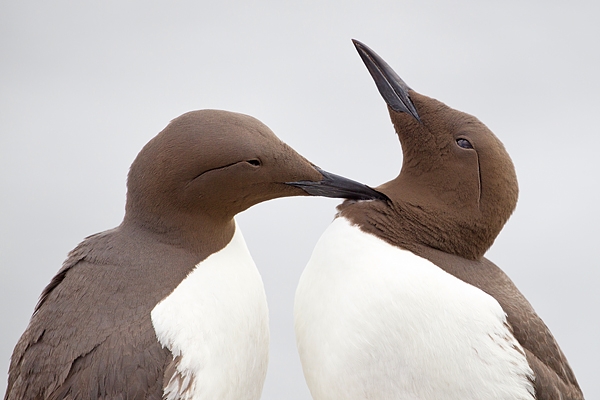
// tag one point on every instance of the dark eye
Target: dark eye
(464, 143)
(254, 162)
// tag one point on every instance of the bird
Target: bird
(169, 304)
(398, 300)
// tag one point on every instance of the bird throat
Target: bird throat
(413, 226)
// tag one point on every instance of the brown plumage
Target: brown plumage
(91, 335)
(448, 204)
(466, 194)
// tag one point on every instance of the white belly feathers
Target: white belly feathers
(377, 322)
(216, 320)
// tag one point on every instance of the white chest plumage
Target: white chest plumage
(377, 322)
(216, 321)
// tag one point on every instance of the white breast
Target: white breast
(377, 322)
(216, 320)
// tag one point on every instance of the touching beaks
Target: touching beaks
(338, 187)
(391, 87)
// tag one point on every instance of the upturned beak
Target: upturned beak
(391, 87)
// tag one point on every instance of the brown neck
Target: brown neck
(409, 226)
(199, 234)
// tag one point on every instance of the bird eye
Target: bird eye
(254, 162)
(464, 143)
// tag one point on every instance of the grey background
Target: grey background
(84, 85)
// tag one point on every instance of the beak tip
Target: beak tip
(336, 186)
(391, 87)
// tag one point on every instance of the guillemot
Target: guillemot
(398, 300)
(169, 304)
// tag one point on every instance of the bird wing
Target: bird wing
(554, 378)
(88, 338)
(177, 385)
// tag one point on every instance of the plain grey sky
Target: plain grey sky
(84, 85)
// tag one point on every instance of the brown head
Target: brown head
(206, 166)
(457, 184)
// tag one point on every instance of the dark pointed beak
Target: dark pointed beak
(392, 88)
(338, 187)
